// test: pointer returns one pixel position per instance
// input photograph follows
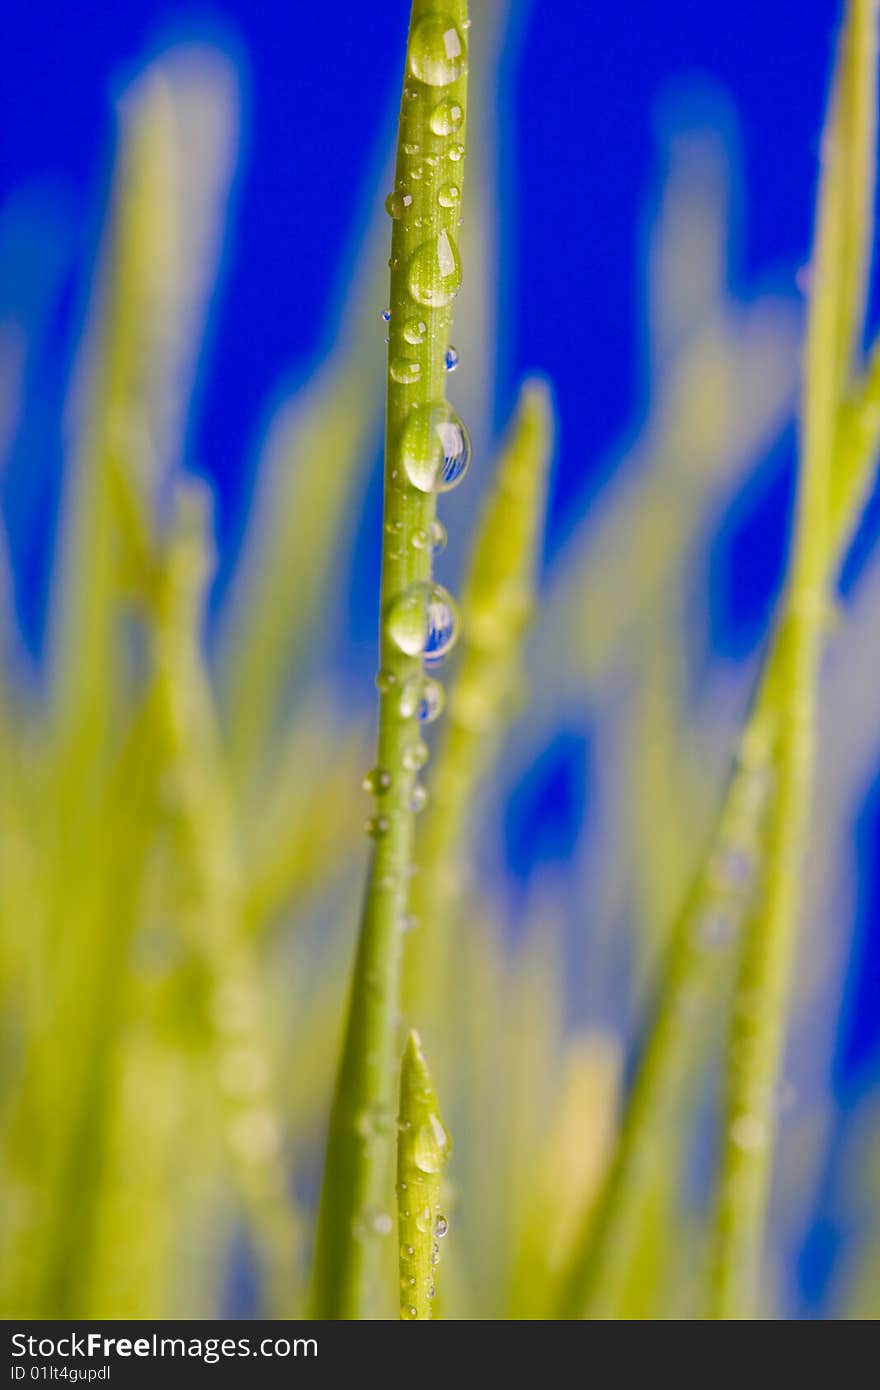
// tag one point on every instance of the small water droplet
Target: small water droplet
(436, 51)
(386, 315)
(423, 697)
(377, 781)
(415, 331)
(419, 798)
(441, 1226)
(405, 371)
(435, 448)
(456, 153)
(450, 359)
(438, 537)
(372, 1222)
(397, 203)
(410, 148)
(407, 1251)
(385, 681)
(377, 827)
(415, 755)
(447, 117)
(434, 273)
(416, 172)
(449, 195)
(423, 619)
(423, 1220)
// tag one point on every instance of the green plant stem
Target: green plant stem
(423, 1150)
(357, 1170)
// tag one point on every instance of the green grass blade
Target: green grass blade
(425, 206)
(423, 1149)
(844, 224)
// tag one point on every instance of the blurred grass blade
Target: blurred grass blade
(843, 234)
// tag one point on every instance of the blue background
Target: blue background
(582, 87)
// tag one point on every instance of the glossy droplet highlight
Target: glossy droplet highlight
(431, 1148)
(438, 537)
(441, 1226)
(415, 756)
(435, 448)
(422, 697)
(377, 827)
(386, 315)
(434, 275)
(419, 798)
(436, 51)
(405, 371)
(423, 620)
(450, 358)
(397, 203)
(449, 195)
(447, 117)
(377, 781)
(415, 331)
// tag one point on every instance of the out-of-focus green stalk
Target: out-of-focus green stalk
(837, 306)
(425, 206)
(423, 1149)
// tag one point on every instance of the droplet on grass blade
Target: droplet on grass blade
(436, 51)
(435, 448)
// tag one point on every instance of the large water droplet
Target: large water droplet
(436, 51)
(435, 448)
(447, 117)
(423, 619)
(431, 1146)
(434, 274)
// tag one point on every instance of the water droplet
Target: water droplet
(749, 1133)
(419, 798)
(405, 371)
(415, 755)
(438, 537)
(377, 781)
(423, 1220)
(424, 697)
(423, 619)
(456, 153)
(435, 448)
(408, 923)
(386, 315)
(410, 148)
(375, 1121)
(415, 331)
(716, 927)
(450, 359)
(436, 51)
(431, 1146)
(413, 1312)
(377, 826)
(373, 1222)
(385, 681)
(441, 1226)
(406, 1252)
(416, 172)
(434, 274)
(447, 117)
(397, 203)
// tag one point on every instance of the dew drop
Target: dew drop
(385, 681)
(441, 1226)
(386, 315)
(377, 827)
(434, 274)
(419, 798)
(436, 51)
(431, 1146)
(447, 117)
(438, 537)
(450, 359)
(423, 619)
(397, 203)
(415, 756)
(415, 331)
(449, 195)
(405, 371)
(410, 148)
(435, 448)
(377, 781)
(424, 697)
(456, 153)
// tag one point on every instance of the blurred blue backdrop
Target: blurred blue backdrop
(582, 87)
